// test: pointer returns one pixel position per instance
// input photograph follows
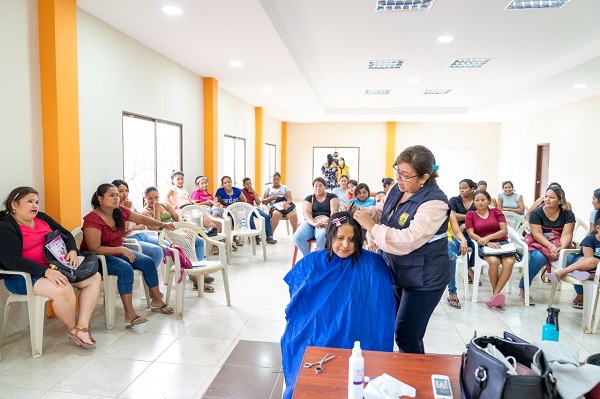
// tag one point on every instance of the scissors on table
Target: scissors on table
(319, 368)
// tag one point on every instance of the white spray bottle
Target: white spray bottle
(356, 373)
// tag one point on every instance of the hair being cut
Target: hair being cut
(336, 221)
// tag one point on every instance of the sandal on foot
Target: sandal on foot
(579, 275)
(553, 277)
(136, 320)
(577, 304)
(164, 309)
(209, 288)
(531, 303)
(78, 341)
(471, 281)
(497, 300)
(454, 303)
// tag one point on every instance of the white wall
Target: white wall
(572, 131)
(116, 74)
(272, 135)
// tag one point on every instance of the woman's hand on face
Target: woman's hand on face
(128, 254)
(464, 247)
(72, 258)
(56, 277)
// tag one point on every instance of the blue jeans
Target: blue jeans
(452, 255)
(149, 249)
(570, 260)
(119, 266)
(199, 244)
(16, 284)
(304, 233)
(537, 260)
(268, 230)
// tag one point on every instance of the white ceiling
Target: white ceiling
(313, 54)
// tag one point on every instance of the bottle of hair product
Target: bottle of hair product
(356, 373)
(550, 330)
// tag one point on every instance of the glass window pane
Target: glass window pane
(228, 158)
(168, 154)
(240, 161)
(138, 156)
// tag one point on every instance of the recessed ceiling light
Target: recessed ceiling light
(524, 4)
(580, 86)
(236, 64)
(437, 91)
(377, 91)
(171, 10)
(267, 89)
(445, 39)
(414, 80)
(385, 64)
(403, 5)
(469, 62)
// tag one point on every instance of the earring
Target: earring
(421, 186)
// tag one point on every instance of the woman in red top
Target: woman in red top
(103, 232)
(487, 226)
(22, 238)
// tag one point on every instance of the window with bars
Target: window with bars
(270, 162)
(234, 159)
(151, 151)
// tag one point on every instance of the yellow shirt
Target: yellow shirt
(342, 171)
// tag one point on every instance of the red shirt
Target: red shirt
(250, 196)
(109, 237)
(34, 239)
(485, 227)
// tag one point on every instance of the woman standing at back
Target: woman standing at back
(329, 170)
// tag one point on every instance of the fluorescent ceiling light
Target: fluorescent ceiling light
(385, 64)
(525, 4)
(236, 64)
(580, 86)
(445, 39)
(469, 62)
(403, 5)
(437, 91)
(171, 10)
(377, 91)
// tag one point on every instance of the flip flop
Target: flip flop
(136, 320)
(78, 341)
(454, 303)
(164, 309)
(580, 275)
(209, 288)
(553, 277)
(577, 304)
(495, 301)
(531, 303)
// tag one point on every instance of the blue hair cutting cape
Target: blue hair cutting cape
(334, 303)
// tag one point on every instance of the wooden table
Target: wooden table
(414, 370)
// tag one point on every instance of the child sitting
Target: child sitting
(217, 207)
(351, 190)
(379, 196)
(363, 196)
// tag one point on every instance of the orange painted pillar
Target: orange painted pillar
(258, 148)
(211, 132)
(57, 20)
(390, 149)
(283, 151)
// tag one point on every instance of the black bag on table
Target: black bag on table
(482, 376)
(86, 269)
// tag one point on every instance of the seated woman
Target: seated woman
(279, 193)
(455, 248)
(103, 233)
(22, 239)
(329, 170)
(387, 183)
(201, 196)
(341, 192)
(540, 202)
(317, 209)
(351, 193)
(595, 215)
(487, 226)
(482, 185)
(509, 200)
(548, 223)
(337, 296)
(253, 199)
(363, 197)
(460, 205)
(217, 208)
(133, 230)
(230, 195)
(177, 196)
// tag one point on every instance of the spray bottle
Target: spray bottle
(356, 373)
(550, 330)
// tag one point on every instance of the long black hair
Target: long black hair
(117, 214)
(337, 220)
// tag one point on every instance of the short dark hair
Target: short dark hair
(421, 159)
(353, 182)
(361, 186)
(343, 218)
(245, 180)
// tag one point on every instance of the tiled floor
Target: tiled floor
(170, 358)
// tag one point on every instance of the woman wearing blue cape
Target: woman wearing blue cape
(337, 296)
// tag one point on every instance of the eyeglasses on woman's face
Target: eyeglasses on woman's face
(401, 176)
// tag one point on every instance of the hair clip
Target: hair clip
(435, 167)
(338, 221)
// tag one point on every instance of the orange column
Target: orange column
(258, 148)
(283, 150)
(390, 148)
(57, 20)
(211, 132)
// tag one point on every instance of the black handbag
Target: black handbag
(86, 269)
(482, 376)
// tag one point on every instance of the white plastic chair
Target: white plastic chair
(514, 220)
(36, 307)
(288, 224)
(195, 214)
(237, 212)
(185, 237)
(110, 282)
(462, 270)
(516, 239)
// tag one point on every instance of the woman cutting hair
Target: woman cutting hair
(337, 296)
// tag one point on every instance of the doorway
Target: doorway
(541, 169)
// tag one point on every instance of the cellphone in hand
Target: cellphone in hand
(441, 386)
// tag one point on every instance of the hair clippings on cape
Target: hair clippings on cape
(338, 221)
(435, 167)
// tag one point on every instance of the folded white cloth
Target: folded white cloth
(387, 387)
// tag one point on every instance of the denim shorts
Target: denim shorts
(16, 284)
